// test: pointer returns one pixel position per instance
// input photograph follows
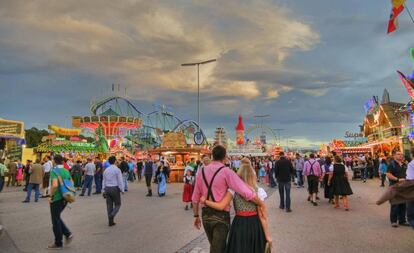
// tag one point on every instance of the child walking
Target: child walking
(188, 188)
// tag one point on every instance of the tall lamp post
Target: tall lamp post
(278, 130)
(198, 84)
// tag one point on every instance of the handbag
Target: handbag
(66, 188)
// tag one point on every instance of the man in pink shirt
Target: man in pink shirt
(313, 172)
(213, 182)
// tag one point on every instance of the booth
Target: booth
(175, 150)
(11, 139)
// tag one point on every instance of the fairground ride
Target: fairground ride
(124, 124)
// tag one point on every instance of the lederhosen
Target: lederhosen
(313, 180)
(215, 222)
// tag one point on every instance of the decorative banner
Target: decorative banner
(371, 105)
(64, 131)
(174, 140)
(408, 84)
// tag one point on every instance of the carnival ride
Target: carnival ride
(258, 134)
(123, 124)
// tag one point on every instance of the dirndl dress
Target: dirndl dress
(188, 192)
(19, 174)
(246, 232)
(340, 184)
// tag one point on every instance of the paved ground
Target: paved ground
(161, 225)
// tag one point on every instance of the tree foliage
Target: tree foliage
(34, 136)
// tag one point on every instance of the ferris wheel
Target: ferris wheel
(261, 134)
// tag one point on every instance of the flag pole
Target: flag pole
(409, 13)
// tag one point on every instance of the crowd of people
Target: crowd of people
(210, 185)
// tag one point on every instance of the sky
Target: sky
(310, 65)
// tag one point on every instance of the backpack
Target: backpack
(66, 188)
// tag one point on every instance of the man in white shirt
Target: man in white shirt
(113, 185)
(47, 167)
(89, 171)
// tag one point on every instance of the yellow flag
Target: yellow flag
(397, 3)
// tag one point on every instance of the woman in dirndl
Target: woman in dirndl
(327, 170)
(340, 183)
(162, 181)
(249, 231)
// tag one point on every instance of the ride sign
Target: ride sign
(198, 138)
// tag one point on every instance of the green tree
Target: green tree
(34, 136)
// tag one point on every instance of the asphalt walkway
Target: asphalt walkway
(162, 225)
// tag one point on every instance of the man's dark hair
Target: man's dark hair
(312, 156)
(112, 160)
(123, 158)
(281, 153)
(58, 159)
(219, 153)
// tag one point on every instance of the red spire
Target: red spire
(240, 126)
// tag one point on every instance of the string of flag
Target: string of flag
(398, 6)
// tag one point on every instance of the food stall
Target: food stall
(11, 139)
(177, 152)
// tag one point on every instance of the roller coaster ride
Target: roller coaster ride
(121, 118)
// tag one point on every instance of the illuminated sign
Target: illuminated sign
(9, 128)
(353, 135)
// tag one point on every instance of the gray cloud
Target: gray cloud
(308, 64)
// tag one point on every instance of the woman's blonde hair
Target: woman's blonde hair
(247, 174)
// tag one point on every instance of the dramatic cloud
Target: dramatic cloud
(303, 62)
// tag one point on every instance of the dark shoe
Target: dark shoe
(111, 224)
(186, 208)
(54, 246)
(288, 210)
(26, 201)
(82, 195)
(68, 239)
(281, 207)
(404, 224)
(394, 225)
(149, 193)
(309, 199)
(95, 193)
(314, 203)
(36, 200)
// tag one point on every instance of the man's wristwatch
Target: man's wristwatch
(196, 216)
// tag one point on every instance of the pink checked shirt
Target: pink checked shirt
(316, 168)
(224, 180)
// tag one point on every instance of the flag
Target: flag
(397, 8)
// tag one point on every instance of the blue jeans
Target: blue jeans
(284, 202)
(59, 227)
(300, 177)
(29, 191)
(365, 174)
(410, 213)
(98, 183)
(1, 183)
(125, 178)
(87, 184)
